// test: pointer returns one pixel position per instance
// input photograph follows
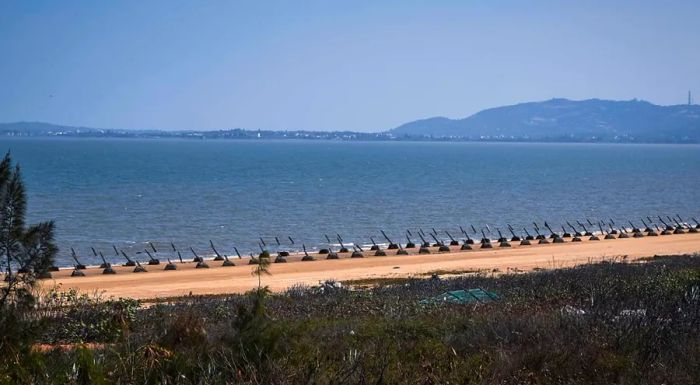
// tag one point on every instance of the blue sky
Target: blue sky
(332, 65)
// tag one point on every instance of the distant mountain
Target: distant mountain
(567, 120)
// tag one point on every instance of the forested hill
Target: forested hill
(568, 120)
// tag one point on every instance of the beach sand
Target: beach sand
(157, 283)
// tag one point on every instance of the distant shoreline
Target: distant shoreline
(325, 137)
(552, 121)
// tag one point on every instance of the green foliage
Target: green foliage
(262, 267)
(86, 370)
(596, 324)
(254, 337)
(80, 318)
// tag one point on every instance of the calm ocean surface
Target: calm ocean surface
(104, 192)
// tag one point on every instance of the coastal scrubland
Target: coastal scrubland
(611, 322)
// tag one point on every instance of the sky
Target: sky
(332, 65)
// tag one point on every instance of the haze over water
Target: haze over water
(127, 192)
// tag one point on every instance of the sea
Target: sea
(248, 195)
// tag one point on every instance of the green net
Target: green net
(463, 297)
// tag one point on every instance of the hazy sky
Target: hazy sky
(323, 65)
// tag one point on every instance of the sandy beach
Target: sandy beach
(157, 283)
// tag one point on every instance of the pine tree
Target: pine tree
(262, 268)
(25, 252)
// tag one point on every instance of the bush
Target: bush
(80, 318)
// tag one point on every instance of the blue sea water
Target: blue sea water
(126, 192)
